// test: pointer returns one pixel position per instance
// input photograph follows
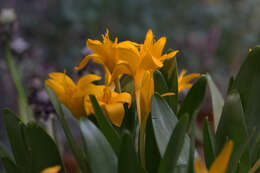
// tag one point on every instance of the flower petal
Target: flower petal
(199, 167)
(172, 54)
(86, 80)
(221, 162)
(159, 46)
(115, 113)
(150, 62)
(148, 42)
(121, 68)
(122, 98)
(54, 169)
(96, 58)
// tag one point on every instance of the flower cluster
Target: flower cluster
(118, 58)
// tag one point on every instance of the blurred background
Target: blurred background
(214, 36)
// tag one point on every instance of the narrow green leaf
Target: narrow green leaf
(78, 154)
(169, 160)
(16, 139)
(161, 87)
(232, 126)
(164, 122)
(160, 84)
(209, 144)
(44, 152)
(105, 126)
(127, 161)
(102, 158)
(10, 166)
(170, 71)
(152, 154)
(194, 98)
(192, 149)
(130, 118)
(247, 83)
(217, 100)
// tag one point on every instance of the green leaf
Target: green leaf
(160, 84)
(127, 161)
(173, 150)
(164, 122)
(105, 126)
(170, 71)
(16, 140)
(247, 83)
(44, 152)
(192, 149)
(209, 144)
(232, 126)
(194, 98)
(78, 154)
(152, 154)
(217, 100)
(4, 152)
(102, 158)
(10, 166)
(130, 118)
(161, 87)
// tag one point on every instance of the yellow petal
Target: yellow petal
(144, 91)
(172, 54)
(150, 62)
(130, 56)
(62, 78)
(54, 169)
(115, 113)
(86, 80)
(148, 42)
(97, 47)
(121, 68)
(167, 94)
(221, 162)
(199, 167)
(122, 98)
(184, 81)
(96, 58)
(159, 46)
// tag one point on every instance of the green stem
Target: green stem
(24, 109)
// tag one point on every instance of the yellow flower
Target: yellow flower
(54, 169)
(184, 81)
(111, 102)
(220, 164)
(70, 94)
(140, 61)
(105, 53)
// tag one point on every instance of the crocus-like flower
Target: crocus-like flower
(105, 53)
(111, 102)
(184, 81)
(140, 61)
(70, 94)
(54, 169)
(220, 164)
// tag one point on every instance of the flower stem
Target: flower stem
(24, 109)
